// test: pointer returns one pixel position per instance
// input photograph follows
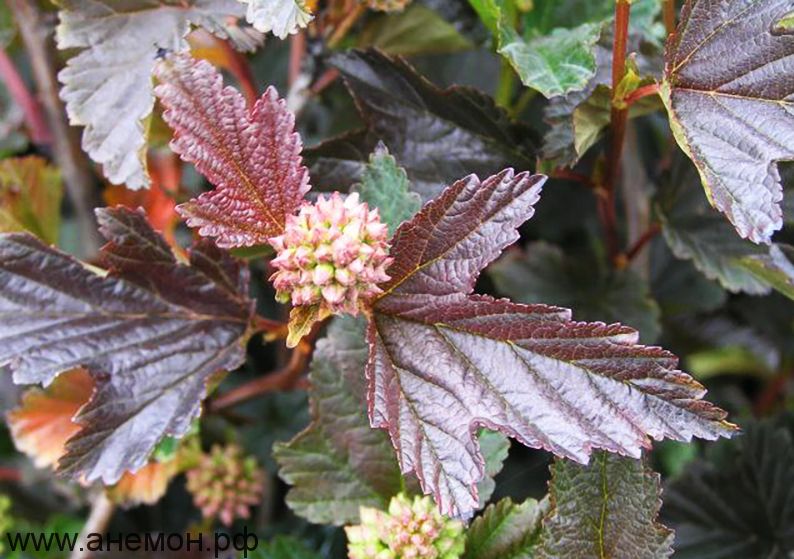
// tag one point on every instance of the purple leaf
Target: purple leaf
(732, 108)
(252, 157)
(444, 362)
(151, 333)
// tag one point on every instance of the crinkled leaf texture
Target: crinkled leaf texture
(339, 463)
(437, 135)
(740, 503)
(282, 17)
(107, 86)
(252, 157)
(385, 185)
(605, 509)
(151, 333)
(732, 109)
(444, 362)
(556, 64)
(506, 530)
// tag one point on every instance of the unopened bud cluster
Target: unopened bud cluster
(333, 253)
(226, 483)
(410, 529)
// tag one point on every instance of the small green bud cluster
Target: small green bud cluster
(411, 529)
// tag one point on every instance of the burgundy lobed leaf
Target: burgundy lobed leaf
(444, 362)
(732, 108)
(152, 333)
(252, 157)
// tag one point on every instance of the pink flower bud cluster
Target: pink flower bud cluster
(411, 529)
(333, 253)
(226, 483)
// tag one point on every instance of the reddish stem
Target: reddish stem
(297, 50)
(622, 15)
(344, 26)
(641, 92)
(644, 239)
(284, 378)
(619, 117)
(10, 475)
(326, 79)
(568, 174)
(669, 16)
(34, 118)
(268, 325)
(769, 397)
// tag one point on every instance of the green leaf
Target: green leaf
(739, 503)
(734, 115)
(30, 197)
(7, 28)
(416, 30)
(556, 53)
(577, 120)
(725, 345)
(775, 268)
(283, 547)
(785, 24)
(592, 117)
(338, 463)
(694, 231)
(554, 64)
(594, 291)
(605, 509)
(494, 447)
(506, 530)
(385, 185)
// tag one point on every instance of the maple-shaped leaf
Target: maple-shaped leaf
(151, 333)
(739, 503)
(732, 109)
(444, 362)
(107, 86)
(437, 135)
(605, 509)
(282, 17)
(251, 156)
(44, 421)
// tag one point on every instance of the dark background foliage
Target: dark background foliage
(451, 107)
